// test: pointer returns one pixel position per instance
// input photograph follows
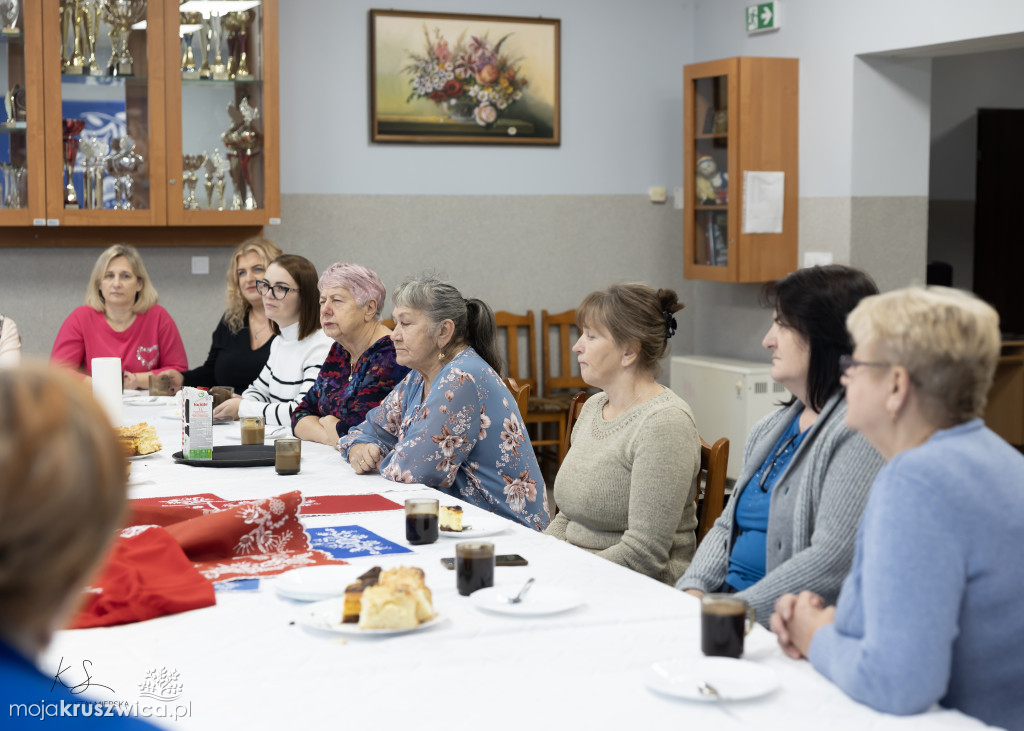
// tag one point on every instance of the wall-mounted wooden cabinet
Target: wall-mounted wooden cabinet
(740, 115)
(142, 113)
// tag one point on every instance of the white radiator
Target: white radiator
(727, 397)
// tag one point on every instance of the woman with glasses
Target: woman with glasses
(791, 520)
(241, 342)
(931, 609)
(290, 297)
(120, 319)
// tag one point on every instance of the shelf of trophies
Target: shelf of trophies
(21, 147)
(157, 113)
(740, 124)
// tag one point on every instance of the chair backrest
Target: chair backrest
(564, 323)
(388, 323)
(575, 407)
(520, 393)
(714, 461)
(509, 325)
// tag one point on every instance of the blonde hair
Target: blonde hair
(63, 481)
(144, 298)
(947, 339)
(237, 306)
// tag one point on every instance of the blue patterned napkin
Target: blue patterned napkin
(349, 541)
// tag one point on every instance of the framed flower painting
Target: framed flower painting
(477, 79)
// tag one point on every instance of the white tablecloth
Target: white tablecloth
(249, 662)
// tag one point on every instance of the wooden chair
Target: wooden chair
(558, 386)
(575, 407)
(714, 461)
(520, 393)
(388, 323)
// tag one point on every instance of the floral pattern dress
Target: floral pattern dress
(466, 439)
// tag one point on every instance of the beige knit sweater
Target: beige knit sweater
(626, 488)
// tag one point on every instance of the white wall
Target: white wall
(621, 96)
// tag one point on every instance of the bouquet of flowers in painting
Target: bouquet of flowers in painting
(472, 81)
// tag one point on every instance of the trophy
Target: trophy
(189, 165)
(121, 165)
(245, 18)
(121, 14)
(245, 142)
(218, 71)
(217, 167)
(72, 127)
(91, 29)
(67, 17)
(9, 16)
(204, 47)
(189, 70)
(78, 61)
(14, 105)
(232, 24)
(94, 151)
(14, 176)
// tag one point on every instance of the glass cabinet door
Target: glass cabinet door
(22, 182)
(222, 112)
(711, 174)
(105, 125)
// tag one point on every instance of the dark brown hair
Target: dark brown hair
(304, 273)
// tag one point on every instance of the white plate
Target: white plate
(139, 400)
(137, 457)
(539, 601)
(275, 432)
(171, 415)
(313, 583)
(326, 616)
(733, 679)
(477, 528)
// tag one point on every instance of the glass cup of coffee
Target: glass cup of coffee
(253, 429)
(421, 520)
(160, 385)
(474, 566)
(725, 619)
(221, 394)
(287, 455)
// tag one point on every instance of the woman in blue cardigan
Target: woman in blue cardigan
(931, 610)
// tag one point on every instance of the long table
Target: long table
(250, 662)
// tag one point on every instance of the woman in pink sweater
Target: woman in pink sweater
(121, 319)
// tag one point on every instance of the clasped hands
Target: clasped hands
(795, 620)
(365, 458)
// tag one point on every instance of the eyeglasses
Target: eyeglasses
(846, 362)
(280, 291)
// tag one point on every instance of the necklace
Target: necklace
(775, 458)
(635, 399)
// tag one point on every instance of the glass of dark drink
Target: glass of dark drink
(287, 455)
(253, 429)
(725, 619)
(421, 520)
(474, 566)
(160, 385)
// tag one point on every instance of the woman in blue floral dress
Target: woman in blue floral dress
(451, 423)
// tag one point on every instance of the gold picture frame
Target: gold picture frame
(464, 79)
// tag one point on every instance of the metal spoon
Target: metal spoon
(706, 688)
(522, 592)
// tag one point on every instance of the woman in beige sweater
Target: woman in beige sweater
(626, 488)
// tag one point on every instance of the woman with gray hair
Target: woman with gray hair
(360, 370)
(451, 423)
(931, 609)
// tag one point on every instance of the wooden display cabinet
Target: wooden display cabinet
(136, 88)
(739, 115)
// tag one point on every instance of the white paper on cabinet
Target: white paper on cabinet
(763, 194)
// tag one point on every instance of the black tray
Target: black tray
(235, 455)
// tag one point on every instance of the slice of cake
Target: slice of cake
(354, 595)
(139, 439)
(450, 518)
(387, 607)
(410, 579)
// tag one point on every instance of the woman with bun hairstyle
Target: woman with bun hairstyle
(627, 486)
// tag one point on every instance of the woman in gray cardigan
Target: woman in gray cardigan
(792, 519)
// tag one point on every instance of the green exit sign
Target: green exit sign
(762, 17)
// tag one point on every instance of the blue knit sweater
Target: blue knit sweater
(932, 608)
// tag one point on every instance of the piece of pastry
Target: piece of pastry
(410, 579)
(139, 438)
(387, 607)
(354, 595)
(450, 518)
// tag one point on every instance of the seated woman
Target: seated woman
(62, 486)
(931, 609)
(241, 342)
(10, 343)
(360, 369)
(451, 423)
(120, 319)
(626, 489)
(289, 299)
(792, 518)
